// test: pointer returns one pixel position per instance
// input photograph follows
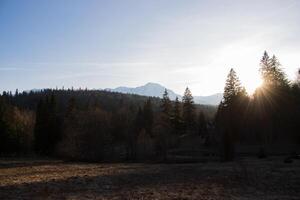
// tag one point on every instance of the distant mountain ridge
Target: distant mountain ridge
(157, 90)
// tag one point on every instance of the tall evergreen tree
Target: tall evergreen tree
(188, 111)
(273, 97)
(272, 74)
(232, 89)
(230, 113)
(177, 119)
(166, 104)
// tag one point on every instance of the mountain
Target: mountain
(213, 99)
(150, 89)
(157, 90)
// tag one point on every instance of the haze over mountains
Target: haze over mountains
(157, 90)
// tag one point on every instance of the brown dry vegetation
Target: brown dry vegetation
(245, 179)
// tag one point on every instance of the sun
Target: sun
(252, 84)
(250, 79)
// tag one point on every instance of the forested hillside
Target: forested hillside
(83, 124)
(101, 125)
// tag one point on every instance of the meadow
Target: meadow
(247, 178)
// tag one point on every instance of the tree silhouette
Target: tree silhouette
(271, 72)
(230, 113)
(166, 104)
(188, 111)
(232, 89)
(176, 118)
(272, 98)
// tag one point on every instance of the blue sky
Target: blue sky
(100, 44)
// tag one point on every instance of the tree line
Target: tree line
(100, 125)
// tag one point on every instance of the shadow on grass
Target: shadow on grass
(118, 183)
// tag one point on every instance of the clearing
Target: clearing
(249, 178)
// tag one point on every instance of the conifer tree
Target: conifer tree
(272, 98)
(272, 74)
(232, 89)
(188, 112)
(166, 104)
(230, 113)
(177, 120)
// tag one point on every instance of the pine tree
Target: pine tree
(177, 120)
(188, 112)
(272, 74)
(230, 113)
(166, 104)
(272, 98)
(232, 89)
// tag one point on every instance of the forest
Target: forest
(102, 126)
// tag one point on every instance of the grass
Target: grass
(245, 179)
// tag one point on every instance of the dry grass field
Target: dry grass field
(246, 179)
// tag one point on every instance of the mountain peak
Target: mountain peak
(157, 90)
(151, 84)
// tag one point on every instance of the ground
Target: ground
(249, 178)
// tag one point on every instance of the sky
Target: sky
(109, 43)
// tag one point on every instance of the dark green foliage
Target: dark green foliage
(272, 98)
(166, 104)
(230, 114)
(232, 90)
(267, 118)
(86, 135)
(47, 130)
(272, 74)
(162, 131)
(101, 125)
(202, 124)
(177, 117)
(87, 124)
(188, 111)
